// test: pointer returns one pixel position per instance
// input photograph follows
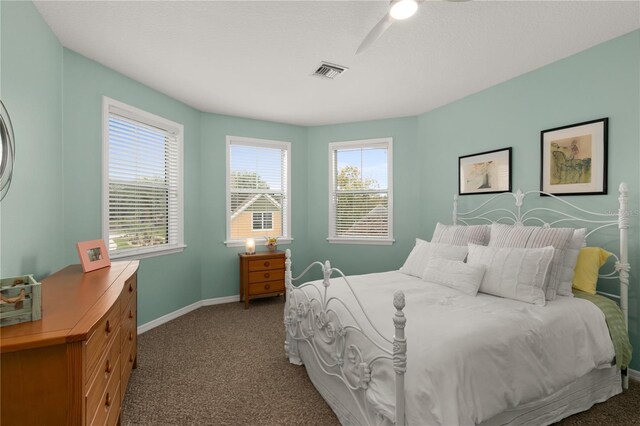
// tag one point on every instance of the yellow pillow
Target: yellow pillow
(590, 259)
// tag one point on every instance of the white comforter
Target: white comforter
(470, 358)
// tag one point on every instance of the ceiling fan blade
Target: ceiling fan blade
(375, 33)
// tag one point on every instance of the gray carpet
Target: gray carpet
(223, 365)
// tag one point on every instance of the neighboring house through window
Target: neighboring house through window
(142, 182)
(361, 192)
(258, 202)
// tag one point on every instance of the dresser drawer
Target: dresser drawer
(130, 289)
(109, 399)
(128, 356)
(129, 321)
(108, 367)
(101, 338)
(266, 287)
(114, 410)
(263, 264)
(266, 275)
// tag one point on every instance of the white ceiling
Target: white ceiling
(255, 59)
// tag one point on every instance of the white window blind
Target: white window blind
(258, 189)
(144, 194)
(360, 198)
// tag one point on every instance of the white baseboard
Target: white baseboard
(182, 311)
(634, 375)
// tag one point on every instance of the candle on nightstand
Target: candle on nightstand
(250, 246)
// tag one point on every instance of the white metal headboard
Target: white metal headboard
(572, 214)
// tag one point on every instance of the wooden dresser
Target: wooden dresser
(72, 366)
(261, 274)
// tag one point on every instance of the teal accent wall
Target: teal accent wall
(220, 270)
(31, 215)
(166, 283)
(360, 259)
(603, 81)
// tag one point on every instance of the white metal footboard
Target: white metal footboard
(340, 346)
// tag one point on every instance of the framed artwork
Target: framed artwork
(93, 255)
(574, 159)
(485, 173)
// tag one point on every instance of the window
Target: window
(360, 192)
(142, 182)
(258, 202)
(263, 221)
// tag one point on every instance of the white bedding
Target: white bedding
(470, 358)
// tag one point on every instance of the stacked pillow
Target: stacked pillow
(518, 236)
(424, 251)
(527, 263)
(461, 235)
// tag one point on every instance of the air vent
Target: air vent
(327, 70)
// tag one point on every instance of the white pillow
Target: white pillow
(424, 250)
(535, 237)
(514, 273)
(571, 252)
(460, 235)
(454, 274)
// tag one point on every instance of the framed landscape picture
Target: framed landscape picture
(485, 173)
(574, 159)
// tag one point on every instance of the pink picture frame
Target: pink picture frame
(93, 255)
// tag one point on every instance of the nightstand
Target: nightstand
(261, 274)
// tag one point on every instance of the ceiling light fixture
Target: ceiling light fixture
(403, 9)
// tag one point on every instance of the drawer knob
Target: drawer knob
(266, 264)
(107, 329)
(108, 368)
(130, 336)
(130, 314)
(130, 357)
(107, 400)
(267, 275)
(130, 288)
(267, 286)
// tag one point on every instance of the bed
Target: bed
(465, 360)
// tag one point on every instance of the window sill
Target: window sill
(241, 243)
(363, 241)
(145, 253)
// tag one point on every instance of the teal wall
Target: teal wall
(55, 98)
(166, 283)
(359, 259)
(31, 215)
(600, 82)
(220, 271)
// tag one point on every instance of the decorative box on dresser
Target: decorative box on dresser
(72, 366)
(261, 274)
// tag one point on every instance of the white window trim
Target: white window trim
(266, 143)
(365, 143)
(164, 124)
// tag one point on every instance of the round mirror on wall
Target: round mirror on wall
(7, 151)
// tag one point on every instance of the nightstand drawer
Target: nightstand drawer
(264, 264)
(267, 275)
(266, 287)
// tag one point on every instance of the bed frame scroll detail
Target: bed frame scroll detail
(341, 348)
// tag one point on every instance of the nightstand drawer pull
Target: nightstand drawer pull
(267, 286)
(267, 275)
(266, 264)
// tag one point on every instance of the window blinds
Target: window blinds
(143, 200)
(258, 190)
(360, 193)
